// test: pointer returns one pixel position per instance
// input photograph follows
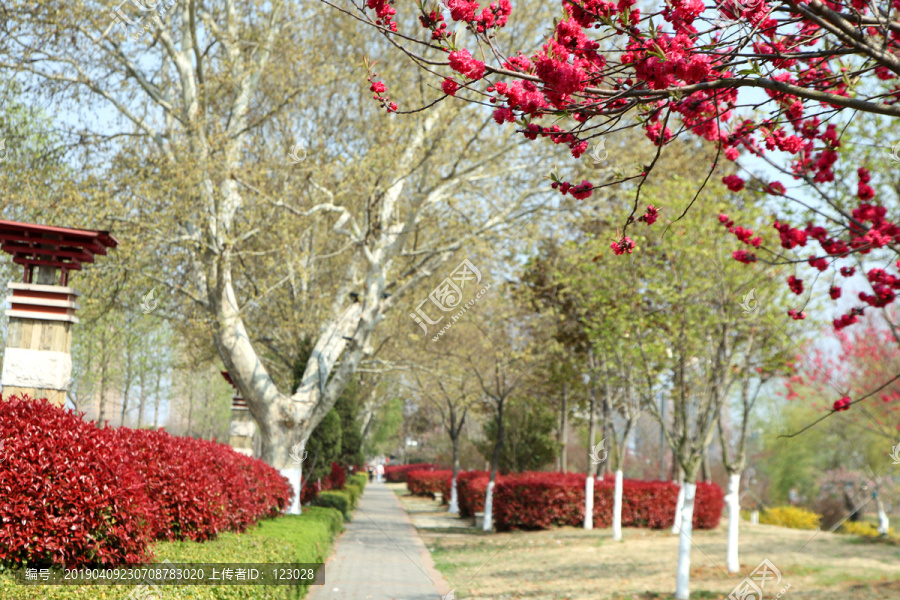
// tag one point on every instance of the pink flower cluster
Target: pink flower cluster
(463, 63)
(842, 404)
(626, 244)
(579, 192)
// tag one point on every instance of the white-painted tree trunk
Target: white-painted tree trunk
(683, 577)
(295, 477)
(488, 507)
(884, 524)
(454, 499)
(617, 508)
(733, 499)
(589, 502)
(678, 506)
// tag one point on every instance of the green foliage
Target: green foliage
(360, 479)
(324, 445)
(385, 428)
(355, 491)
(347, 408)
(793, 517)
(337, 499)
(337, 438)
(529, 439)
(305, 538)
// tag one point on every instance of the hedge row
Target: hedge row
(397, 473)
(543, 500)
(305, 538)
(429, 483)
(78, 495)
(344, 499)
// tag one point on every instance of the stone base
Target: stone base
(57, 397)
(242, 444)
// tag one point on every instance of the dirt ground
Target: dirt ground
(573, 564)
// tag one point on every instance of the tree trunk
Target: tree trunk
(704, 465)
(126, 385)
(589, 502)
(733, 500)
(564, 430)
(617, 507)
(142, 399)
(156, 402)
(592, 433)
(454, 499)
(102, 413)
(679, 504)
(495, 465)
(683, 577)
(884, 524)
(662, 439)
(190, 406)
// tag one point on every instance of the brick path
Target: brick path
(380, 556)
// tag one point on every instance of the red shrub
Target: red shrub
(470, 489)
(542, 500)
(335, 480)
(198, 488)
(708, 505)
(183, 493)
(309, 491)
(426, 483)
(445, 487)
(538, 501)
(78, 495)
(70, 495)
(397, 473)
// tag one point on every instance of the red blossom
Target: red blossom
(463, 63)
(650, 216)
(734, 183)
(449, 86)
(626, 244)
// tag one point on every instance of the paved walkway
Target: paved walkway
(380, 556)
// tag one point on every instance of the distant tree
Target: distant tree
(528, 441)
(324, 446)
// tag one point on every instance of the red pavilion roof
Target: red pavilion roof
(58, 247)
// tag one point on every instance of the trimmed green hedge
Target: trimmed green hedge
(360, 479)
(355, 493)
(338, 499)
(305, 538)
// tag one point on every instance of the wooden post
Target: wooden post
(242, 427)
(37, 361)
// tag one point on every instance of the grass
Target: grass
(574, 564)
(303, 538)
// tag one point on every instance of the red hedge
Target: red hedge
(198, 488)
(542, 500)
(69, 495)
(470, 489)
(77, 495)
(397, 473)
(427, 483)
